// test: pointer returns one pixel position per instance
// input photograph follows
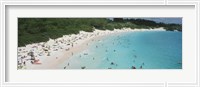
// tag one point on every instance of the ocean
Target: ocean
(128, 50)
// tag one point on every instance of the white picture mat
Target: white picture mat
(187, 74)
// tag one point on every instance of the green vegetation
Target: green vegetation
(33, 30)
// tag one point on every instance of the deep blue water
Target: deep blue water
(146, 50)
(175, 20)
(166, 20)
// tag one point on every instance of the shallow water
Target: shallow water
(146, 50)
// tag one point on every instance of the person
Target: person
(112, 63)
(72, 44)
(133, 67)
(116, 65)
(142, 63)
(32, 55)
(24, 63)
(72, 53)
(140, 67)
(83, 67)
(48, 54)
(31, 62)
(17, 62)
(107, 59)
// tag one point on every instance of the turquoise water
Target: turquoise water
(146, 50)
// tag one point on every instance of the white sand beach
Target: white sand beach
(48, 55)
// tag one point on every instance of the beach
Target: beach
(50, 54)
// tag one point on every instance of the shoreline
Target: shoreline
(54, 52)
